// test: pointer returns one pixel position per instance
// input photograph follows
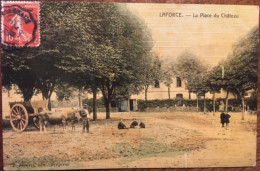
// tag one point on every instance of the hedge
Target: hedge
(143, 105)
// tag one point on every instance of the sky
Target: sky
(209, 38)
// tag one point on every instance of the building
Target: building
(160, 91)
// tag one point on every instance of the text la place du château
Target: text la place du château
(197, 15)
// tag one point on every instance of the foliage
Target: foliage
(108, 45)
(150, 71)
(168, 74)
(189, 67)
(87, 45)
(63, 91)
(143, 105)
(240, 68)
(89, 102)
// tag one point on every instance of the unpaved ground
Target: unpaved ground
(169, 140)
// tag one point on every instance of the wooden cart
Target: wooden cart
(22, 113)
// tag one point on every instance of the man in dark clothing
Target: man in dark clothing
(222, 119)
(134, 124)
(227, 116)
(142, 125)
(121, 125)
(85, 119)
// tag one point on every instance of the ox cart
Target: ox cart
(23, 113)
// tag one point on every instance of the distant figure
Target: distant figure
(142, 125)
(74, 120)
(227, 116)
(134, 124)
(121, 125)
(222, 119)
(85, 119)
(43, 119)
(64, 123)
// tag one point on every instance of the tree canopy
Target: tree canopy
(86, 45)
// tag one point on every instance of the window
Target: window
(178, 81)
(179, 96)
(156, 84)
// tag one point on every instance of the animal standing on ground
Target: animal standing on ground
(61, 117)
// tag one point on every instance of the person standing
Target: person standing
(227, 116)
(43, 119)
(85, 119)
(223, 119)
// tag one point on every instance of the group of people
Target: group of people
(134, 124)
(224, 119)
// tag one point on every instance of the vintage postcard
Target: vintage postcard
(118, 85)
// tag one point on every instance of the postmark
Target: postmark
(20, 24)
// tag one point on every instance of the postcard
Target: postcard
(128, 85)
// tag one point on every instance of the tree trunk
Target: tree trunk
(49, 103)
(46, 94)
(145, 92)
(226, 102)
(80, 99)
(204, 104)
(197, 102)
(27, 93)
(243, 107)
(107, 90)
(107, 105)
(94, 90)
(214, 104)
(169, 92)
(45, 97)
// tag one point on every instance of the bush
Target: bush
(143, 105)
(89, 102)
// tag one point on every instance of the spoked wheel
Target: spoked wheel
(19, 117)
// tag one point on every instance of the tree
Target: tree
(123, 41)
(15, 70)
(88, 45)
(151, 71)
(168, 75)
(197, 84)
(63, 91)
(108, 54)
(188, 66)
(238, 73)
(40, 64)
(243, 65)
(214, 83)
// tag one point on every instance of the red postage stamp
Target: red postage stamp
(20, 24)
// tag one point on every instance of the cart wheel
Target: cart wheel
(19, 117)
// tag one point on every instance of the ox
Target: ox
(60, 116)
